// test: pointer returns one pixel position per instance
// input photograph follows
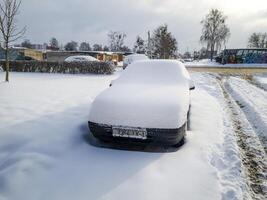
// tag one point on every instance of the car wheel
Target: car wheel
(180, 143)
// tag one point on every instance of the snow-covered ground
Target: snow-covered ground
(208, 63)
(261, 80)
(253, 102)
(44, 153)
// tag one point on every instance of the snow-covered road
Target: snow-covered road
(253, 102)
(43, 153)
(261, 81)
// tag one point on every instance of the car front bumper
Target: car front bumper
(154, 135)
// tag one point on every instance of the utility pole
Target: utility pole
(149, 45)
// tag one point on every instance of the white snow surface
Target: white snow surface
(148, 94)
(253, 101)
(261, 80)
(44, 156)
(80, 58)
(209, 63)
(133, 58)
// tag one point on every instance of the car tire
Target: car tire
(180, 143)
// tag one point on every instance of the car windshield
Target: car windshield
(154, 72)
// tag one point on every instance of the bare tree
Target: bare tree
(54, 45)
(9, 10)
(214, 32)
(116, 40)
(257, 40)
(139, 46)
(97, 47)
(71, 46)
(26, 43)
(85, 46)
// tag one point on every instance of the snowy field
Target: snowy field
(45, 152)
(261, 80)
(208, 63)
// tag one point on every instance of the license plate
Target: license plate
(138, 133)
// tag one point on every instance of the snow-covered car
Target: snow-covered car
(148, 103)
(133, 58)
(80, 58)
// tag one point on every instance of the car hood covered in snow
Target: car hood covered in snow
(149, 94)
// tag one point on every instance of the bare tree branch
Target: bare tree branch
(9, 9)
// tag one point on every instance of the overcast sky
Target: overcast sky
(90, 20)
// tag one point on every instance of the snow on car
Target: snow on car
(80, 58)
(133, 58)
(148, 103)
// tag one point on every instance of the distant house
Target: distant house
(243, 56)
(15, 53)
(34, 54)
(60, 56)
(22, 53)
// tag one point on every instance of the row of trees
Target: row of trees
(258, 40)
(116, 43)
(161, 44)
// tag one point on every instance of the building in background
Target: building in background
(15, 53)
(35, 54)
(22, 53)
(246, 56)
(60, 56)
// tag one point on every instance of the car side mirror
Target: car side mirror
(192, 88)
(111, 83)
(191, 85)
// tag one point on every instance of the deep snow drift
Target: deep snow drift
(43, 154)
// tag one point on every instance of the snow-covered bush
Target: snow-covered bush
(94, 67)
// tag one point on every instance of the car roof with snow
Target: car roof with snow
(154, 71)
(135, 57)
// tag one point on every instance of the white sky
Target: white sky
(90, 20)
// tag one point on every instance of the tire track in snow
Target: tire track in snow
(252, 80)
(253, 102)
(251, 151)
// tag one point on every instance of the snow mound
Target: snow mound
(253, 102)
(133, 58)
(148, 94)
(261, 80)
(209, 63)
(155, 72)
(44, 156)
(80, 58)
